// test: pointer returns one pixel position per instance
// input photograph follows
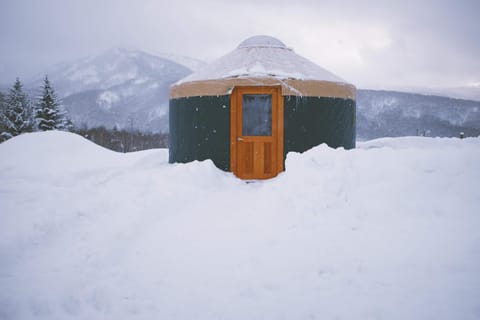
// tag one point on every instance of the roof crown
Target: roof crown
(262, 41)
(262, 56)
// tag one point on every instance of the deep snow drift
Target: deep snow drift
(387, 231)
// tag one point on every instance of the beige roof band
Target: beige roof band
(290, 87)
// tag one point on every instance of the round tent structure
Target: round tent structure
(248, 109)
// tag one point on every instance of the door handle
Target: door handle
(239, 139)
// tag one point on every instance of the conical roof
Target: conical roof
(262, 56)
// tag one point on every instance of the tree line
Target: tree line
(122, 140)
(19, 114)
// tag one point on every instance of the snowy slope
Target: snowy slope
(391, 113)
(112, 68)
(470, 91)
(119, 87)
(189, 62)
(386, 231)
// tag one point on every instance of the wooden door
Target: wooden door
(256, 133)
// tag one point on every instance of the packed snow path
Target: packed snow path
(390, 230)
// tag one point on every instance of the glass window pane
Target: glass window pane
(257, 115)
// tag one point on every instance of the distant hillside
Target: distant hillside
(393, 114)
(129, 89)
(120, 87)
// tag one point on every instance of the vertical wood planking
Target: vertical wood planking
(267, 162)
(248, 158)
(258, 159)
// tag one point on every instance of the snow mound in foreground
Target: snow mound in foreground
(386, 231)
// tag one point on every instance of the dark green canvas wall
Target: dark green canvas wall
(310, 121)
(200, 130)
(200, 126)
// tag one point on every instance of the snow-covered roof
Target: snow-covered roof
(262, 56)
(262, 41)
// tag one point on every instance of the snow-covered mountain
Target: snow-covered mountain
(390, 113)
(469, 91)
(129, 89)
(120, 87)
(189, 62)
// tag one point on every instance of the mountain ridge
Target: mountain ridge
(391, 113)
(129, 89)
(122, 88)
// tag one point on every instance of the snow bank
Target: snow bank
(60, 154)
(386, 231)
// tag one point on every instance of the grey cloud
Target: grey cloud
(430, 42)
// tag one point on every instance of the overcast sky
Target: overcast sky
(373, 44)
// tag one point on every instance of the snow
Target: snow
(262, 41)
(86, 76)
(107, 99)
(262, 56)
(386, 231)
(191, 63)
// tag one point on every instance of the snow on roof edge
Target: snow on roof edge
(254, 58)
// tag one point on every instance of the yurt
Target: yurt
(248, 109)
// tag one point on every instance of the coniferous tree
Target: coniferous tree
(2, 102)
(2, 116)
(64, 123)
(18, 116)
(50, 114)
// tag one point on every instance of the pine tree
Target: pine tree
(2, 117)
(18, 115)
(50, 114)
(64, 123)
(2, 103)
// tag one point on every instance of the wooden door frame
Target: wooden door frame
(277, 124)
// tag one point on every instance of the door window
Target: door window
(257, 115)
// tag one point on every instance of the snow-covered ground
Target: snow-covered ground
(390, 230)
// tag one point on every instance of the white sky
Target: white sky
(373, 44)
